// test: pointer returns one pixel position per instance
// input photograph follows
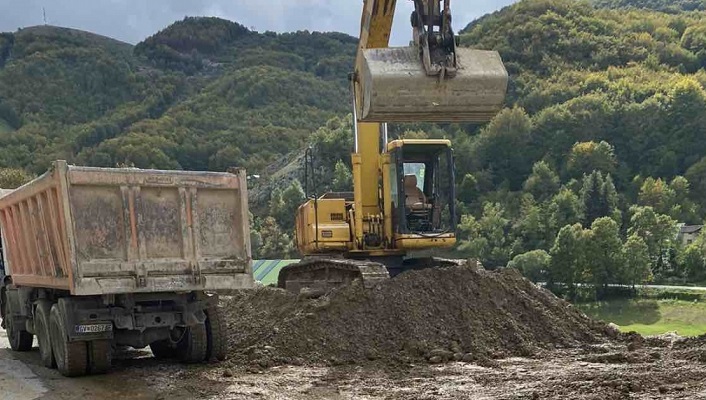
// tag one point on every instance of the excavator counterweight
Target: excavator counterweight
(396, 87)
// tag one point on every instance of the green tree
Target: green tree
(486, 238)
(586, 157)
(683, 208)
(342, 178)
(468, 189)
(599, 198)
(543, 183)
(605, 249)
(533, 265)
(495, 148)
(636, 257)
(568, 258)
(225, 158)
(275, 244)
(12, 178)
(531, 227)
(696, 175)
(692, 260)
(657, 230)
(591, 197)
(284, 204)
(610, 200)
(564, 209)
(657, 194)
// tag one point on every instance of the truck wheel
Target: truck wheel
(41, 327)
(193, 345)
(20, 339)
(163, 349)
(100, 356)
(71, 357)
(215, 334)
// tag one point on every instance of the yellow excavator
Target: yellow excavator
(403, 197)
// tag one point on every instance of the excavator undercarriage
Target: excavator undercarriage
(317, 275)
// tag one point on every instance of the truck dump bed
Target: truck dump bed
(94, 231)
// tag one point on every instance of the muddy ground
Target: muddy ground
(666, 371)
(460, 333)
(664, 368)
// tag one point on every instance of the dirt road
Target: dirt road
(23, 378)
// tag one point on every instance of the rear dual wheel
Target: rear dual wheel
(193, 346)
(80, 357)
(215, 334)
(190, 345)
(41, 328)
(197, 343)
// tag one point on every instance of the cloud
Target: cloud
(133, 20)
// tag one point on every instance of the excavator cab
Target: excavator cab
(423, 193)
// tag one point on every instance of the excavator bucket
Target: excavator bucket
(396, 87)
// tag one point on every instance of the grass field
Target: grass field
(651, 317)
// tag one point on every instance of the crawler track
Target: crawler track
(317, 275)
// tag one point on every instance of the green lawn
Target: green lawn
(651, 317)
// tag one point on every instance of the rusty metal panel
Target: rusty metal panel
(107, 230)
(98, 223)
(33, 248)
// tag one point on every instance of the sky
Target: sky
(133, 20)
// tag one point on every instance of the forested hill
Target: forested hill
(668, 6)
(204, 93)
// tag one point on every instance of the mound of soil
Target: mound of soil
(456, 313)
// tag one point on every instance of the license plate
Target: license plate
(95, 328)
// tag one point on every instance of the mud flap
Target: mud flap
(78, 322)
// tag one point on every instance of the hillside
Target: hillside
(204, 93)
(668, 6)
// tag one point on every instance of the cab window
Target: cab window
(418, 170)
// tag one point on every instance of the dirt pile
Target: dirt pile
(459, 313)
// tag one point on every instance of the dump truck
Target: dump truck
(99, 258)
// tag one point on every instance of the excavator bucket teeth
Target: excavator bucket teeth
(396, 87)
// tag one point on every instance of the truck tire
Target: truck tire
(20, 339)
(163, 349)
(41, 328)
(100, 356)
(71, 357)
(193, 345)
(215, 334)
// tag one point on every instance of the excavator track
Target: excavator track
(316, 276)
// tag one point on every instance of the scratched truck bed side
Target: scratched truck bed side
(107, 231)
